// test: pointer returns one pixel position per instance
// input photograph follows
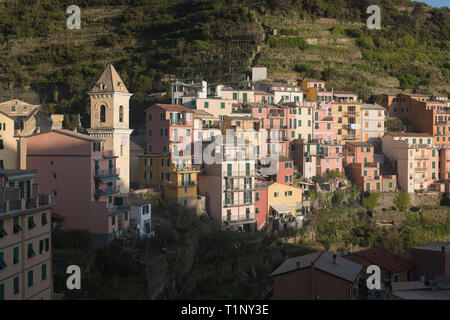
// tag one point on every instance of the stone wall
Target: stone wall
(386, 200)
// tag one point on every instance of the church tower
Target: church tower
(110, 108)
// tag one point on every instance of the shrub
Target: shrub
(371, 201)
(402, 201)
(338, 196)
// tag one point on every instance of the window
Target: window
(54, 193)
(31, 252)
(256, 196)
(44, 272)
(396, 277)
(16, 285)
(121, 114)
(102, 114)
(206, 105)
(2, 291)
(150, 117)
(188, 132)
(16, 227)
(53, 175)
(113, 220)
(234, 95)
(30, 278)
(2, 230)
(31, 223)
(275, 194)
(16, 255)
(162, 116)
(222, 105)
(44, 219)
(408, 275)
(1, 145)
(3, 264)
(150, 132)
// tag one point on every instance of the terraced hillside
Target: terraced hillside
(41, 61)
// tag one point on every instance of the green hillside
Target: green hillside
(42, 61)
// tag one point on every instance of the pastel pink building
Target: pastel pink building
(358, 152)
(323, 128)
(444, 159)
(261, 205)
(285, 172)
(264, 97)
(81, 177)
(330, 158)
(367, 176)
(170, 129)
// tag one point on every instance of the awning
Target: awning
(286, 207)
(109, 179)
(21, 177)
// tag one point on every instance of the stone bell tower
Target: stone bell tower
(110, 108)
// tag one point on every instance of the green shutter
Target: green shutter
(30, 278)
(44, 272)
(2, 230)
(16, 255)
(16, 285)
(222, 105)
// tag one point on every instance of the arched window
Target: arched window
(121, 114)
(102, 114)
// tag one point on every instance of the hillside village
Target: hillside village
(269, 159)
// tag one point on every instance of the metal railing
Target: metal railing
(107, 172)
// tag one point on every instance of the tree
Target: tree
(313, 195)
(333, 176)
(371, 201)
(338, 196)
(402, 201)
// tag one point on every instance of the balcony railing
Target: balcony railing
(181, 184)
(118, 209)
(350, 137)
(106, 173)
(351, 114)
(245, 217)
(421, 169)
(238, 187)
(176, 139)
(40, 201)
(186, 168)
(107, 192)
(178, 122)
(238, 203)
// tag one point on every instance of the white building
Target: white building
(141, 217)
(373, 119)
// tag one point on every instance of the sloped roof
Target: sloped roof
(110, 81)
(172, 107)
(323, 261)
(383, 258)
(6, 108)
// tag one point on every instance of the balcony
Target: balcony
(350, 137)
(115, 209)
(421, 157)
(420, 169)
(183, 184)
(237, 203)
(186, 168)
(176, 139)
(40, 201)
(275, 114)
(106, 173)
(350, 114)
(240, 218)
(240, 187)
(107, 192)
(178, 122)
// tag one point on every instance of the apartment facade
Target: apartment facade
(373, 120)
(229, 186)
(346, 112)
(89, 197)
(141, 217)
(415, 158)
(25, 238)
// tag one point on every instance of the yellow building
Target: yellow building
(284, 201)
(178, 177)
(346, 112)
(17, 120)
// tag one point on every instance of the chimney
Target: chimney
(334, 259)
(57, 120)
